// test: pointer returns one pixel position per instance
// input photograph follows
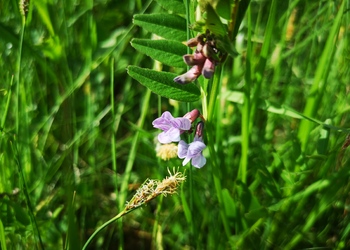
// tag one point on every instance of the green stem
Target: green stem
(113, 148)
(132, 156)
(320, 80)
(260, 67)
(5, 112)
(246, 108)
(214, 93)
(188, 21)
(2, 236)
(210, 130)
(156, 225)
(15, 147)
(115, 218)
(17, 158)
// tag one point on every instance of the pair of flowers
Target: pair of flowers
(203, 61)
(174, 127)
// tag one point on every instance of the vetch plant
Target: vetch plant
(172, 129)
(277, 120)
(213, 44)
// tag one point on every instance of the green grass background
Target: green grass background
(77, 140)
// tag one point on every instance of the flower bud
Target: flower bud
(190, 75)
(199, 129)
(192, 115)
(209, 52)
(193, 42)
(196, 58)
(208, 68)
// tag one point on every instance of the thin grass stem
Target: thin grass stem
(246, 106)
(113, 142)
(104, 225)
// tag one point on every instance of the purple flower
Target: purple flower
(193, 151)
(172, 127)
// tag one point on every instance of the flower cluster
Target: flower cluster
(203, 61)
(174, 127)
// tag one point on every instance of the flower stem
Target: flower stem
(115, 218)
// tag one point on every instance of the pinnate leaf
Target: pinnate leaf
(176, 6)
(162, 84)
(214, 23)
(168, 26)
(165, 51)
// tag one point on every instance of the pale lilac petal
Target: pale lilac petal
(163, 122)
(192, 151)
(197, 138)
(172, 135)
(199, 161)
(164, 127)
(187, 160)
(172, 127)
(195, 148)
(181, 123)
(167, 115)
(164, 138)
(182, 149)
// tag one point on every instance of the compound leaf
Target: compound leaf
(162, 84)
(165, 51)
(168, 26)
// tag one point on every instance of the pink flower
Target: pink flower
(208, 68)
(203, 60)
(190, 75)
(195, 59)
(193, 115)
